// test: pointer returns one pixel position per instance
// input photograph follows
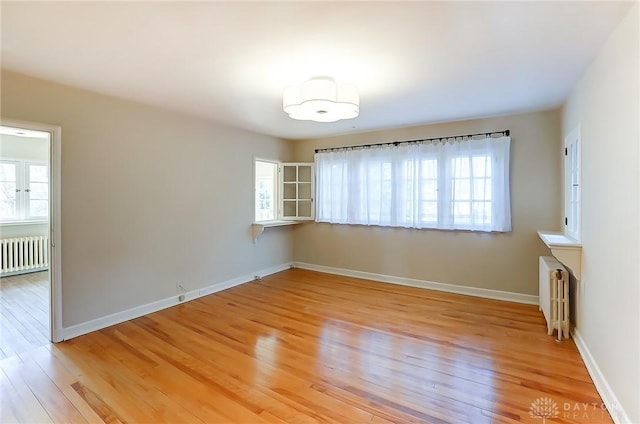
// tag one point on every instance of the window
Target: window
(266, 181)
(572, 184)
(449, 184)
(24, 191)
(283, 191)
(297, 191)
(471, 181)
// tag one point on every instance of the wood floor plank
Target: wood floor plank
(18, 397)
(24, 313)
(58, 407)
(63, 379)
(307, 347)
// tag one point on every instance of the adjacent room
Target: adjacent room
(24, 221)
(348, 212)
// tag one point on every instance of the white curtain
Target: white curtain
(450, 184)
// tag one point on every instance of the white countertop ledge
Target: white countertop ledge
(258, 227)
(554, 239)
(276, 223)
(565, 249)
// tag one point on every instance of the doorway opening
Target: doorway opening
(29, 217)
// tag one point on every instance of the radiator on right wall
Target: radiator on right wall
(554, 296)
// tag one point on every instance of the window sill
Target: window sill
(12, 223)
(258, 227)
(565, 249)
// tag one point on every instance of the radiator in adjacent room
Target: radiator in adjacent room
(20, 255)
(554, 296)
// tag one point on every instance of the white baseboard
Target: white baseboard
(138, 311)
(618, 414)
(28, 271)
(423, 284)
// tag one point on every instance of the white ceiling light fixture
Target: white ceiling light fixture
(321, 99)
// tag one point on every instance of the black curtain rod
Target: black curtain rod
(421, 140)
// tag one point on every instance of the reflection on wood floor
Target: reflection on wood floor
(24, 309)
(307, 347)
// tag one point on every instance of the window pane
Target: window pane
(38, 208)
(8, 200)
(481, 166)
(304, 173)
(38, 173)
(460, 167)
(429, 212)
(8, 172)
(290, 173)
(304, 191)
(481, 189)
(289, 190)
(304, 208)
(429, 190)
(462, 212)
(461, 190)
(290, 209)
(38, 191)
(265, 190)
(482, 213)
(430, 168)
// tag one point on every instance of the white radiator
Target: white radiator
(554, 296)
(24, 254)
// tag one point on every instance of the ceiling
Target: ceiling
(413, 62)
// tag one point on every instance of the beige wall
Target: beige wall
(150, 198)
(605, 104)
(505, 262)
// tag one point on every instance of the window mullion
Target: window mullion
(26, 190)
(21, 198)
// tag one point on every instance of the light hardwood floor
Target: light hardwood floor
(24, 309)
(306, 347)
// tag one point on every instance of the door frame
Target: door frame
(55, 220)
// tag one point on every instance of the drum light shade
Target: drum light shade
(321, 99)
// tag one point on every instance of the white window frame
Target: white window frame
(279, 193)
(23, 180)
(572, 184)
(302, 196)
